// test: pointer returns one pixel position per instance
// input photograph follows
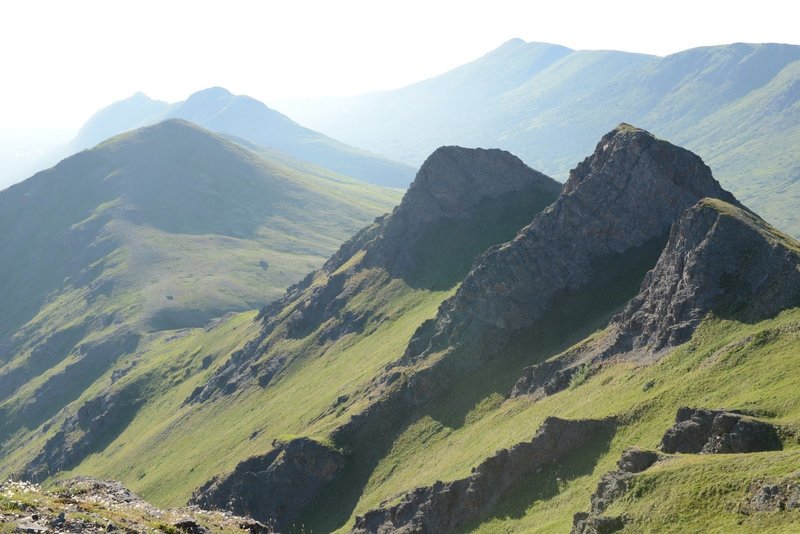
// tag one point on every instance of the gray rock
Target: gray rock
(719, 257)
(274, 487)
(773, 497)
(629, 192)
(190, 526)
(636, 460)
(58, 520)
(612, 486)
(444, 507)
(718, 432)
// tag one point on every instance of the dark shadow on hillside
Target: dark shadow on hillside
(333, 508)
(64, 387)
(53, 349)
(518, 498)
(572, 318)
(446, 251)
(97, 423)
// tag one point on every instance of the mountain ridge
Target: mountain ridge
(218, 110)
(732, 104)
(333, 409)
(158, 229)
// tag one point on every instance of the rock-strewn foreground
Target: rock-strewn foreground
(88, 505)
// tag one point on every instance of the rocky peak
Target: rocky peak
(626, 194)
(454, 180)
(452, 185)
(720, 258)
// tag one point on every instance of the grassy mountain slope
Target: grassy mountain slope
(158, 440)
(730, 362)
(337, 359)
(735, 105)
(160, 228)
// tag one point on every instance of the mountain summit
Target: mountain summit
(247, 120)
(161, 228)
(624, 196)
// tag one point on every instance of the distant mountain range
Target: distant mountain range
(240, 118)
(161, 228)
(736, 105)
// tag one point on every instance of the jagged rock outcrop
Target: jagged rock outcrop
(626, 194)
(274, 487)
(718, 432)
(612, 485)
(719, 258)
(445, 506)
(773, 496)
(462, 200)
(83, 432)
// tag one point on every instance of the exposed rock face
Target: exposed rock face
(275, 487)
(718, 432)
(612, 485)
(444, 507)
(81, 433)
(454, 189)
(719, 257)
(451, 185)
(772, 496)
(629, 192)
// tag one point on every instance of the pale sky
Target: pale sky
(63, 60)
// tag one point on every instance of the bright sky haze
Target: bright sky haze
(62, 61)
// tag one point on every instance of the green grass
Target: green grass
(726, 365)
(157, 229)
(709, 494)
(169, 449)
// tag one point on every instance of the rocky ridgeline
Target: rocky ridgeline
(696, 431)
(446, 506)
(451, 187)
(88, 505)
(626, 194)
(274, 487)
(719, 258)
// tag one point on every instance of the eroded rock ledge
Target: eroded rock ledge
(718, 432)
(445, 506)
(696, 431)
(274, 487)
(612, 485)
